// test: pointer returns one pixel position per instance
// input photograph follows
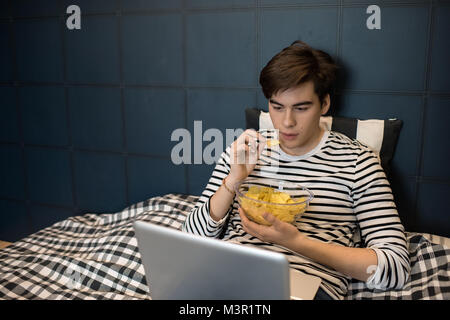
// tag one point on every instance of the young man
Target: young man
(352, 197)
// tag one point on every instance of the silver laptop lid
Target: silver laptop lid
(179, 265)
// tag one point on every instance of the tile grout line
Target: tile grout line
(39, 203)
(165, 86)
(16, 86)
(339, 30)
(229, 9)
(338, 54)
(425, 97)
(185, 9)
(122, 99)
(67, 107)
(257, 48)
(15, 77)
(86, 150)
(184, 80)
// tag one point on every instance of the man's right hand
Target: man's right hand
(244, 154)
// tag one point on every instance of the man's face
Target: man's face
(296, 114)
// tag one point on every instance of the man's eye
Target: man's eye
(277, 107)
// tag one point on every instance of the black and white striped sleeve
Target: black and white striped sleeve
(380, 225)
(199, 220)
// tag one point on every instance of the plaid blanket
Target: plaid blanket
(95, 256)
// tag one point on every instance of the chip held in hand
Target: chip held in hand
(272, 142)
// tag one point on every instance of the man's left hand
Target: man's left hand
(279, 232)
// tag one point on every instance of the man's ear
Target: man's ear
(326, 104)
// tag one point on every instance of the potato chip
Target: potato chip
(272, 142)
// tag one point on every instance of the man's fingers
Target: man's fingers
(251, 132)
(248, 147)
(270, 218)
(242, 214)
(239, 153)
(246, 223)
(251, 227)
(262, 144)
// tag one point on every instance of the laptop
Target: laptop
(183, 266)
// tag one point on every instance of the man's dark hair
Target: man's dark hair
(295, 65)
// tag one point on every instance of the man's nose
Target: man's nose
(289, 120)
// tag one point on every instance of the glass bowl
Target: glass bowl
(285, 200)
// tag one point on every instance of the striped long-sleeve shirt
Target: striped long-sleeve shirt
(352, 206)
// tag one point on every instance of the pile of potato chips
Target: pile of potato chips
(275, 204)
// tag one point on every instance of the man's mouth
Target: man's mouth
(288, 136)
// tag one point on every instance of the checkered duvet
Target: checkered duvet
(95, 256)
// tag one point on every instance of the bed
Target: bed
(95, 256)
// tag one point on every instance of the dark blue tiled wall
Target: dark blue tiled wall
(86, 115)
(38, 50)
(152, 49)
(100, 181)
